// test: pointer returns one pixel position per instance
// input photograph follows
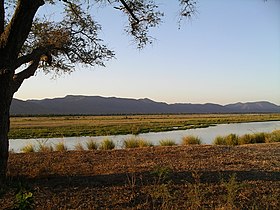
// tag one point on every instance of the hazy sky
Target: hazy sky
(228, 52)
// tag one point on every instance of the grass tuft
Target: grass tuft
(187, 140)
(61, 147)
(92, 145)
(79, 147)
(28, 148)
(107, 144)
(135, 142)
(167, 142)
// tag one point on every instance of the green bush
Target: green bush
(91, 145)
(107, 144)
(167, 142)
(187, 140)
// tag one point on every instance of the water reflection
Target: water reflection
(205, 134)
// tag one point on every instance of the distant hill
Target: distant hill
(97, 105)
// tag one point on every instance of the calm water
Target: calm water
(205, 134)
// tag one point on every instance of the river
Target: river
(207, 135)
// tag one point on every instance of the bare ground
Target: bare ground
(179, 177)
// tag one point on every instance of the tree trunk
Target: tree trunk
(5, 103)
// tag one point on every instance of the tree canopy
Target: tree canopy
(57, 44)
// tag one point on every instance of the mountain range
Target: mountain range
(97, 105)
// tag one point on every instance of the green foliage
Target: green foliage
(91, 145)
(61, 147)
(191, 140)
(107, 144)
(24, 199)
(167, 142)
(28, 148)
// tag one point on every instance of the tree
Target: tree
(30, 41)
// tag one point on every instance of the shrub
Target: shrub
(61, 147)
(107, 144)
(190, 140)
(232, 139)
(28, 148)
(136, 142)
(220, 140)
(167, 142)
(274, 136)
(92, 145)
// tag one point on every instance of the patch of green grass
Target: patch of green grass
(107, 144)
(91, 145)
(167, 142)
(187, 140)
(28, 148)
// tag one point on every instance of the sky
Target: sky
(228, 52)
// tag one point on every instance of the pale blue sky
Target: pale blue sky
(229, 52)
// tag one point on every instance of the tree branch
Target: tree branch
(38, 52)
(25, 74)
(129, 11)
(19, 27)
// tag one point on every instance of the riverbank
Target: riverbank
(178, 177)
(70, 126)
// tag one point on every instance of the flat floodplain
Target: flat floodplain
(67, 126)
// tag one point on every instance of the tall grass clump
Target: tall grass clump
(28, 148)
(274, 136)
(220, 140)
(43, 147)
(167, 142)
(187, 140)
(134, 142)
(107, 144)
(246, 139)
(232, 139)
(91, 145)
(79, 147)
(61, 147)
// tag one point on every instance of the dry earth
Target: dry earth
(179, 177)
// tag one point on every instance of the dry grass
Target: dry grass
(193, 177)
